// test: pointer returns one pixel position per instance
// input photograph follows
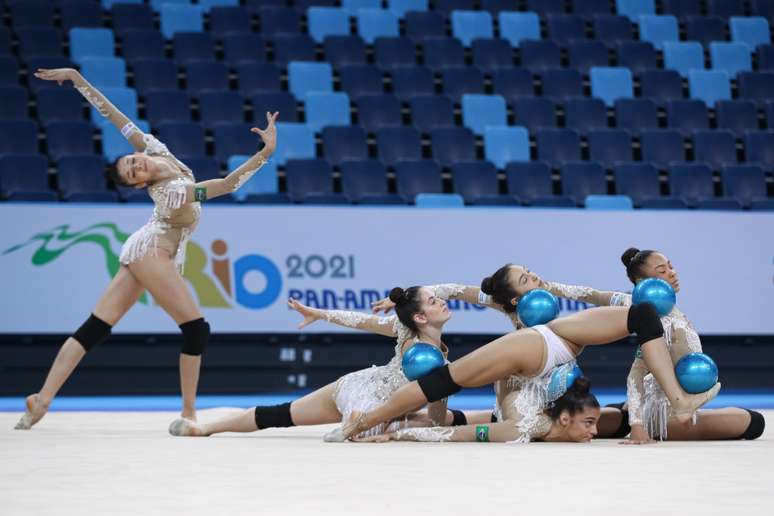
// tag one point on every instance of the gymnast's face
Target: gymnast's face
(658, 266)
(136, 169)
(523, 280)
(433, 310)
(581, 427)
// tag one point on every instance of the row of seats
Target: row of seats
(80, 178)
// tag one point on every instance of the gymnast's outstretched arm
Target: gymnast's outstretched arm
(586, 294)
(502, 432)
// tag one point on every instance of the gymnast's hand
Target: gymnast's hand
(310, 314)
(382, 305)
(268, 135)
(59, 75)
(639, 436)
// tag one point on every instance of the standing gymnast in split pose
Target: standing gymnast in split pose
(534, 351)
(153, 256)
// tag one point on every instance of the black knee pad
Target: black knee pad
(623, 429)
(438, 384)
(196, 335)
(645, 322)
(756, 426)
(276, 416)
(493, 419)
(459, 418)
(92, 333)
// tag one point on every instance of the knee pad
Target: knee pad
(276, 416)
(756, 426)
(493, 419)
(438, 384)
(459, 418)
(196, 335)
(92, 333)
(623, 429)
(645, 322)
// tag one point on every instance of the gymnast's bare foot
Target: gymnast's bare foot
(684, 412)
(184, 427)
(36, 409)
(189, 414)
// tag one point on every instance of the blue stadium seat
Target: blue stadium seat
(661, 85)
(391, 53)
(156, 4)
(680, 8)
(69, 138)
(584, 114)
(610, 146)
(666, 203)
(167, 106)
(202, 76)
(183, 138)
(477, 183)
(461, 80)
(324, 109)
(91, 42)
(705, 29)
(14, 106)
(683, 56)
(421, 25)
(31, 13)
(611, 28)
(635, 115)
(608, 202)
(448, 6)
(375, 23)
(345, 143)
(517, 27)
(534, 113)
(24, 176)
(415, 177)
(142, 44)
(365, 181)
(756, 86)
(180, 18)
(718, 204)
(411, 81)
(357, 80)
(431, 111)
(81, 175)
(345, 50)
(529, 180)
(638, 56)
(482, 111)
(562, 83)
(353, 6)
(763, 8)
(592, 7)
(401, 7)
(443, 53)
(221, 107)
(565, 28)
(540, 55)
(662, 147)
(397, 144)
(584, 55)
(258, 77)
(114, 145)
(204, 168)
(39, 42)
(270, 101)
(439, 200)
(104, 72)
(503, 145)
(5, 41)
(127, 16)
(229, 19)
(714, 148)
(687, 115)
(611, 84)
(294, 141)
(235, 138)
(80, 14)
(469, 25)
(752, 31)
(327, 21)
(154, 74)
(279, 20)
(193, 46)
(709, 86)
(243, 48)
(759, 147)
(746, 184)
(657, 30)
(768, 113)
(638, 181)
(377, 111)
(557, 146)
(633, 9)
(580, 180)
(59, 104)
(311, 181)
(491, 55)
(546, 7)
(731, 58)
(306, 77)
(691, 183)
(9, 71)
(737, 116)
(293, 47)
(263, 187)
(452, 145)
(513, 83)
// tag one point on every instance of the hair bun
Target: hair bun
(486, 285)
(397, 295)
(581, 385)
(629, 255)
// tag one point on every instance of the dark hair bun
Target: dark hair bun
(629, 255)
(398, 295)
(486, 285)
(581, 386)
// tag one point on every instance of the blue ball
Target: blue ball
(657, 292)
(696, 373)
(562, 379)
(537, 306)
(420, 359)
